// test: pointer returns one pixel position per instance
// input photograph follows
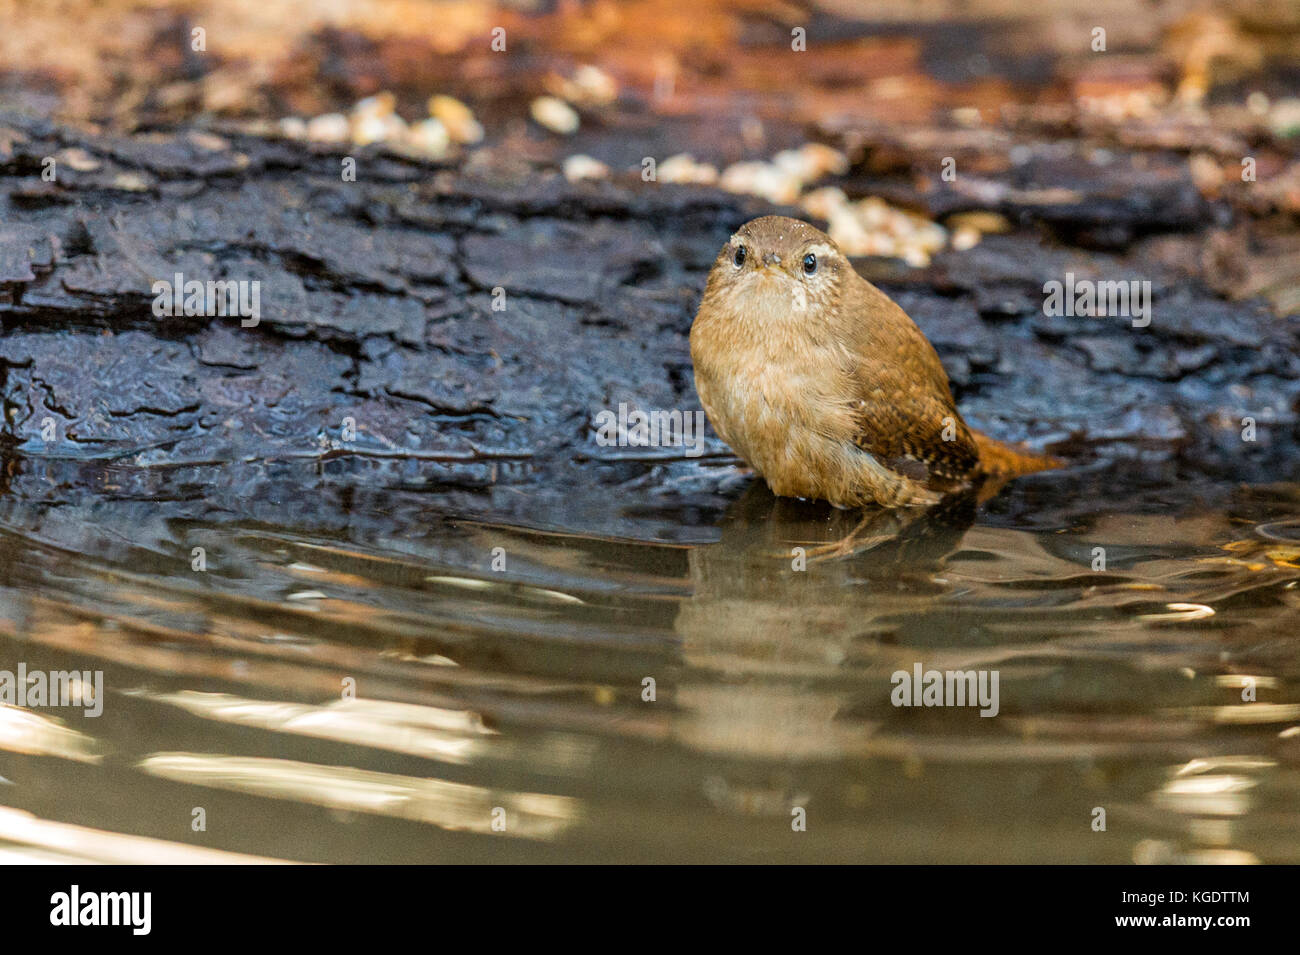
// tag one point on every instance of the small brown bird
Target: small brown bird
(824, 385)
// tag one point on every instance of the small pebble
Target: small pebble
(849, 233)
(1258, 103)
(928, 236)
(1284, 117)
(872, 227)
(209, 141)
(823, 202)
(1205, 173)
(589, 86)
(555, 114)
(130, 182)
(329, 128)
(762, 179)
(381, 104)
(981, 220)
(684, 169)
(579, 167)
(428, 138)
(916, 258)
(78, 159)
(292, 127)
(965, 238)
(811, 162)
(374, 128)
(457, 118)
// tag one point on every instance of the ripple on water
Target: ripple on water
(405, 679)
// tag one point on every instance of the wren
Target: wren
(823, 385)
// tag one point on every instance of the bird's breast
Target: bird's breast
(765, 396)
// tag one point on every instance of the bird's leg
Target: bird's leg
(875, 527)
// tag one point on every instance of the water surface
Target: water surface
(499, 643)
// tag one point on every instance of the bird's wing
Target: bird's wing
(906, 416)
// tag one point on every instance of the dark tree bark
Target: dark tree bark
(377, 315)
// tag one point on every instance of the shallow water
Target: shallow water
(500, 714)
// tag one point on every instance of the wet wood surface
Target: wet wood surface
(377, 296)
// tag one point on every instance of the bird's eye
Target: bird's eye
(809, 264)
(740, 256)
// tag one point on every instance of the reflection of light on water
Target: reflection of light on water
(22, 731)
(473, 583)
(1213, 763)
(1211, 792)
(454, 736)
(448, 805)
(1156, 852)
(773, 687)
(1241, 713)
(1240, 681)
(1179, 613)
(752, 800)
(26, 839)
(1217, 795)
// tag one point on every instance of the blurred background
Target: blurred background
(430, 640)
(1190, 86)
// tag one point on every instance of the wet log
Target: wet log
(464, 324)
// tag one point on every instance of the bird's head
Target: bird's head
(777, 270)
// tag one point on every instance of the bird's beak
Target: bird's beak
(771, 259)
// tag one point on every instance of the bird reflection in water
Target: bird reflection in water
(787, 629)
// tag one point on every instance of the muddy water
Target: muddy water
(375, 668)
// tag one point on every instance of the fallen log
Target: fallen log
(470, 321)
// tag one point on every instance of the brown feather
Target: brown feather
(907, 409)
(821, 383)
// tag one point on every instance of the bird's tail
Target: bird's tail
(1003, 460)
